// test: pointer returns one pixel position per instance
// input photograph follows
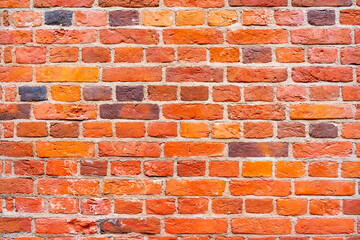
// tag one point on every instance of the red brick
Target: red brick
(289, 17)
(162, 129)
(324, 207)
(200, 3)
(195, 225)
(95, 206)
(259, 188)
(30, 205)
(192, 205)
(194, 74)
(328, 36)
(256, 74)
(61, 167)
(61, 36)
(51, 186)
(90, 18)
(159, 168)
(229, 54)
(191, 168)
(192, 36)
(227, 206)
(324, 226)
(64, 54)
(15, 36)
(126, 168)
(223, 169)
(16, 185)
(63, 3)
(191, 54)
(304, 111)
(267, 226)
(291, 93)
(193, 111)
(129, 149)
(323, 169)
(128, 54)
(132, 187)
(65, 225)
(195, 187)
(324, 93)
(193, 149)
(130, 129)
(31, 55)
(130, 36)
(132, 74)
(29, 167)
(259, 205)
(325, 187)
(162, 55)
(322, 149)
(63, 205)
(322, 55)
(257, 36)
(263, 112)
(128, 206)
(65, 149)
(15, 225)
(160, 206)
(291, 207)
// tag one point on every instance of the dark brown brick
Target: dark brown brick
(321, 17)
(127, 93)
(123, 18)
(258, 149)
(200, 93)
(129, 111)
(61, 130)
(14, 111)
(323, 130)
(97, 93)
(256, 55)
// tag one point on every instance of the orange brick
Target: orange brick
(291, 207)
(222, 17)
(194, 130)
(190, 18)
(157, 18)
(130, 129)
(257, 169)
(65, 93)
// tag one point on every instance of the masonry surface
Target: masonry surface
(179, 120)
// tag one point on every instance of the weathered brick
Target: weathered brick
(123, 18)
(328, 36)
(62, 36)
(129, 149)
(132, 187)
(131, 36)
(129, 111)
(261, 226)
(259, 149)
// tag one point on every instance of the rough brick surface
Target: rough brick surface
(179, 119)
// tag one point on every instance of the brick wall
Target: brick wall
(179, 120)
